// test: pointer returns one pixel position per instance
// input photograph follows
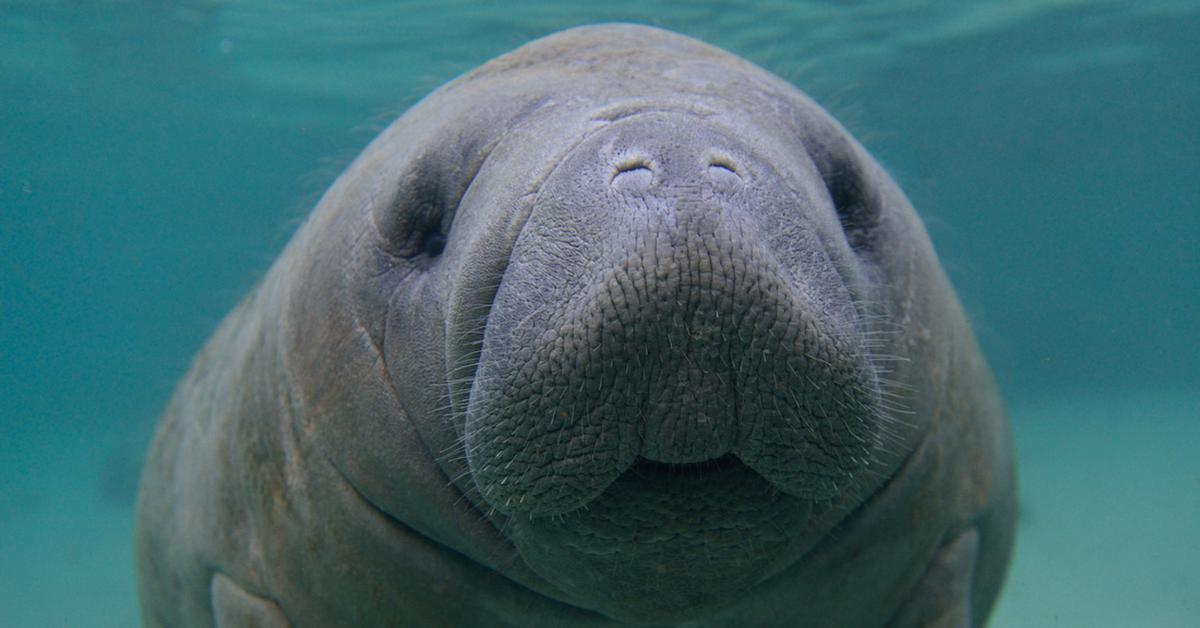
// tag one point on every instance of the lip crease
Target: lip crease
(644, 467)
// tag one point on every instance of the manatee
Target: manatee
(617, 329)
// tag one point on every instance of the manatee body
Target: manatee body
(616, 329)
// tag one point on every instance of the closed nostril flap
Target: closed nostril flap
(723, 178)
(633, 180)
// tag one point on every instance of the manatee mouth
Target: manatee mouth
(666, 540)
(646, 468)
(684, 476)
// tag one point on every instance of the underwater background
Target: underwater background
(155, 156)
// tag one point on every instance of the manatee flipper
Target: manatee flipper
(233, 607)
(942, 598)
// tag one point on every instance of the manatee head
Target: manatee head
(649, 309)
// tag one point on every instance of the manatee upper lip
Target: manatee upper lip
(793, 405)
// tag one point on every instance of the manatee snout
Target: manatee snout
(652, 312)
(652, 327)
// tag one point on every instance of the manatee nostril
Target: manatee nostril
(632, 175)
(724, 174)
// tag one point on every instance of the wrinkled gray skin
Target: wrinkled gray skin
(617, 328)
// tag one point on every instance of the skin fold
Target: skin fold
(617, 329)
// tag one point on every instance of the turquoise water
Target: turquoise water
(155, 157)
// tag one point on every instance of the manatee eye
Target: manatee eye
(413, 225)
(857, 204)
(434, 243)
(420, 234)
